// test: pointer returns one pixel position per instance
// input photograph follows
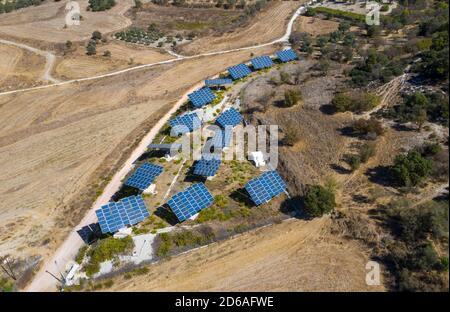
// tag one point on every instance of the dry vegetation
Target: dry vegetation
(291, 256)
(76, 64)
(46, 22)
(261, 30)
(19, 68)
(315, 26)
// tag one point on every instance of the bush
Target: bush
(368, 127)
(319, 200)
(96, 35)
(101, 5)
(292, 97)
(354, 161)
(411, 169)
(355, 101)
(104, 250)
(366, 151)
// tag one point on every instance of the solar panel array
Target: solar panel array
(116, 215)
(218, 82)
(187, 203)
(287, 55)
(222, 138)
(144, 176)
(239, 71)
(201, 97)
(261, 62)
(207, 167)
(185, 123)
(263, 188)
(230, 117)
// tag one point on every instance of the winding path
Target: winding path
(49, 61)
(69, 248)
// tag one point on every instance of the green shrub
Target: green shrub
(292, 97)
(411, 169)
(81, 253)
(319, 200)
(104, 250)
(355, 101)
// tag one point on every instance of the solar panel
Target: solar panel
(116, 215)
(239, 71)
(187, 203)
(230, 117)
(287, 55)
(185, 123)
(144, 176)
(222, 138)
(201, 97)
(261, 62)
(263, 188)
(207, 167)
(218, 82)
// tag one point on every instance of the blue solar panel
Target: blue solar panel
(201, 97)
(185, 123)
(263, 188)
(116, 215)
(287, 55)
(261, 62)
(144, 176)
(239, 71)
(218, 82)
(207, 167)
(187, 203)
(230, 117)
(222, 138)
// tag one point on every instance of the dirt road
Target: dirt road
(49, 58)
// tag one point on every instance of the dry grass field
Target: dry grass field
(292, 256)
(46, 22)
(262, 29)
(315, 26)
(79, 65)
(57, 147)
(19, 68)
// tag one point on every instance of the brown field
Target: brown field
(315, 26)
(261, 30)
(291, 256)
(172, 19)
(57, 147)
(19, 68)
(79, 65)
(46, 22)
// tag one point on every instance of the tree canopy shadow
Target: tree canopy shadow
(380, 175)
(340, 169)
(294, 207)
(327, 109)
(241, 196)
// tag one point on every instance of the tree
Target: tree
(91, 48)
(137, 4)
(96, 35)
(319, 201)
(411, 169)
(291, 97)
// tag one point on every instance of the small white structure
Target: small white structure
(194, 217)
(71, 274)
(258, 158)
(151, 189)
(123, 232)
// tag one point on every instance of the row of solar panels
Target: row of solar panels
(185, 204)
(205, 96)
(242, 70)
